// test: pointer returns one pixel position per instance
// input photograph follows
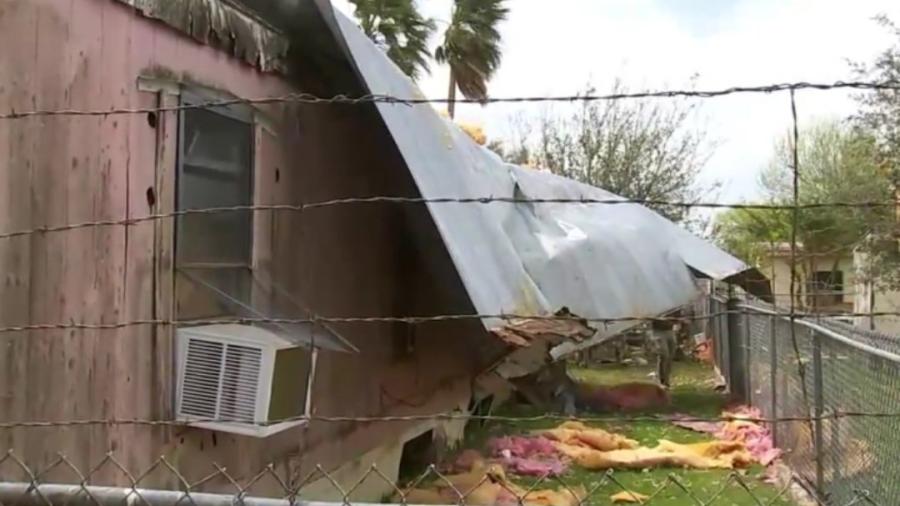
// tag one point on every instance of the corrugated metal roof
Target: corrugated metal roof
(599, 261)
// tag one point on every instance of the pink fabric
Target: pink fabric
(528, 456)
(755, 436)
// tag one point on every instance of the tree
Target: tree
(471, 47)
(879, 117)
(837, 164)
(752, 234)
(398, 28)
(639, 149)
(879, 113)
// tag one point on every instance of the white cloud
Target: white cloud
(556, 47)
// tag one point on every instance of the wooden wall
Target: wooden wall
(343, 261)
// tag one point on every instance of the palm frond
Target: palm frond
(400, 30)
(472, 44)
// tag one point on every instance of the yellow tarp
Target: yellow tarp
(578, 434)
(622, 453)
(488, 486)
(628, 497)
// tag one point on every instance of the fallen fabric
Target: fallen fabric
(597, 449)
(738, 427)
(481, 486)
(487, 485)
(579, 434)
(563, 497)
(528, 456)
(756, 437)
(682, 456)
(733, 454)
(628, 496)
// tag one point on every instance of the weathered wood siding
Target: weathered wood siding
(350, 261)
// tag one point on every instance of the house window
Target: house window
(248, 377)
(826, 288)
(215, 169)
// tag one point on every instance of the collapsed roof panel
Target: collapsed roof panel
(598, 261)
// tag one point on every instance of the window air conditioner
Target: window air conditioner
(241, 379)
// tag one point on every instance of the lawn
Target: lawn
(692, 394)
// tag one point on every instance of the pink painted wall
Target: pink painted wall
(88, 54)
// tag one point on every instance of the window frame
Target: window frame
(236, 112)
(826, 288)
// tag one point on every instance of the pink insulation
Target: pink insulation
(756, 437)
(528, 456)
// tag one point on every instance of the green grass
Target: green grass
(693, 394)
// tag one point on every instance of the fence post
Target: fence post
(773, 374)
(818, 411)
(746, 342)
(736, 375)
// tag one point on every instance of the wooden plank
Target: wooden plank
(18, 28)
(164, 251)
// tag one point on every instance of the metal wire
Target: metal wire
(420, 200)
(837, 456)
(305, 98)
(415, 319)
(848, 397)
(160, 481)
(450, 416)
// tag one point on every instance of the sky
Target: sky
(557, 47)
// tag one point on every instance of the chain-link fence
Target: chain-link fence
(795, 368)
(482, 487)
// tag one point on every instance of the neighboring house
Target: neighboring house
(824, 283)
(249, 395)
(877, 301)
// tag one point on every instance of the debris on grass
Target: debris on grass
(579, 434)
(528, 456)
(488, 485)
(692, 393)
(632, 396)
(629, 497)
(738, 426)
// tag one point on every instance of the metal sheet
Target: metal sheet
(599, 261)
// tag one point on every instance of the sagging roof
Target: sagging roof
(223, 24)
(596, 261)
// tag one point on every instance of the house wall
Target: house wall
(778, 269)
(368, 260)
(881, 301)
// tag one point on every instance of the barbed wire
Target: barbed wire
(510, 317)
(438, 200)
(458, 416)
(310, 99)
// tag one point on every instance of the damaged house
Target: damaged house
(299, 311)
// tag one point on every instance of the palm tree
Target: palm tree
(398, 28)
(471, 47)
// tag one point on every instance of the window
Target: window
(825, 288)
(215, 169)
(247, 379)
